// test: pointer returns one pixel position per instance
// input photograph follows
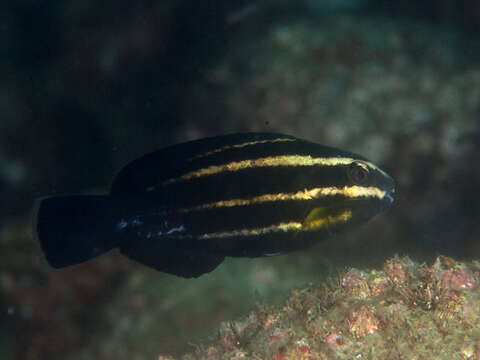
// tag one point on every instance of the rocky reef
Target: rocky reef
(405, 310)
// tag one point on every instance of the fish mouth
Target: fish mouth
(389, 196)
(388, 199)
(387, 184)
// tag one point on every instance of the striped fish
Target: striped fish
(182, 209)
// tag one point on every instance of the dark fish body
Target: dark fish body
(184, 208)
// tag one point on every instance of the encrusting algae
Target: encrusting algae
(405, 310)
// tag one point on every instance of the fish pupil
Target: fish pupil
(359, 174)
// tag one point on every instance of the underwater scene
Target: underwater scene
(227, 179)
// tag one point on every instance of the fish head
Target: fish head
(366, 191)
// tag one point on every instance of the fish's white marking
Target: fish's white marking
(137, 222)
(181, 228)
(122, 224)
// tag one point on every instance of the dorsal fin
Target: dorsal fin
(158, 166)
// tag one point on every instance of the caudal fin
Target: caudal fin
(73, 229)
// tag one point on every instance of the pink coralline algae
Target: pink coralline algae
(401, 311)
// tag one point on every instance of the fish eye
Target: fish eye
(359, 173)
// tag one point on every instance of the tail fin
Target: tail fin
(73, 229)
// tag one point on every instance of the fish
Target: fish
(183, 209)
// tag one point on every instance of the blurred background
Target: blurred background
(87, 86)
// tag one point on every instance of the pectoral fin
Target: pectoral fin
(325, 216)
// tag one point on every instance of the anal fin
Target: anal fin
(175, 261)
